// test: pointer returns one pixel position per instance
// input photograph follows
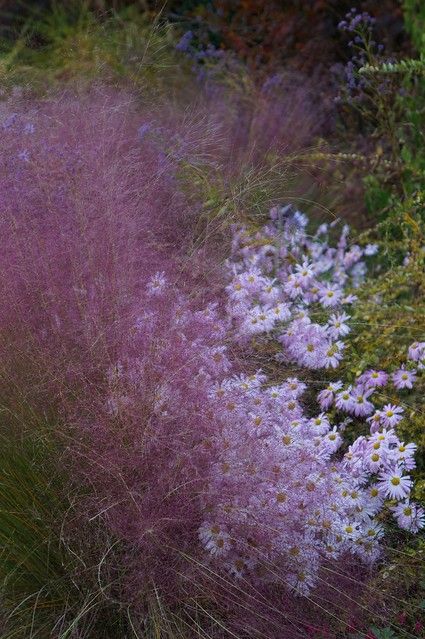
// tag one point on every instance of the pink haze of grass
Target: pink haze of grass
(91, 211)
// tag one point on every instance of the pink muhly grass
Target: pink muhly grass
(91, 213)
(87, 214)
(248, 137)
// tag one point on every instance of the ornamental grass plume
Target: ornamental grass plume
(83, 199)
(91, 212)
(103, 330)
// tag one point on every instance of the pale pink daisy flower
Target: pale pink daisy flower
(391, 415)
(409, 516)
(403, 378)
(394, 484)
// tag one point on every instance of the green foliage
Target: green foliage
(390, 314)
(48, 566)
(414, 17)
(71, 42)
(32, 563)
(405, 67)
(383, 633)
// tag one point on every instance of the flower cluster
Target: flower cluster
(276, 500)
(356, 399)
(416, 353)
(354, 21)
(207, 59)
(359, 27)
(281, 276)
(382, 453)
(279, 503)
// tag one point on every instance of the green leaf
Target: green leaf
(383, 633)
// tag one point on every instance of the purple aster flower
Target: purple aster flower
(326, 397)
(333, 355)
(403, 378)
(330, 295)
(373, 379)
(344, 400)
(371, 249)
(375, 421)
(360, 404)
(405, 455)
(394, 484)
(409, 516)
(416, 352)
(337, 325)
(391, 415)
(184, 44)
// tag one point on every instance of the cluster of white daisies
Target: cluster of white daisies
(283, 501)
(280, 273)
